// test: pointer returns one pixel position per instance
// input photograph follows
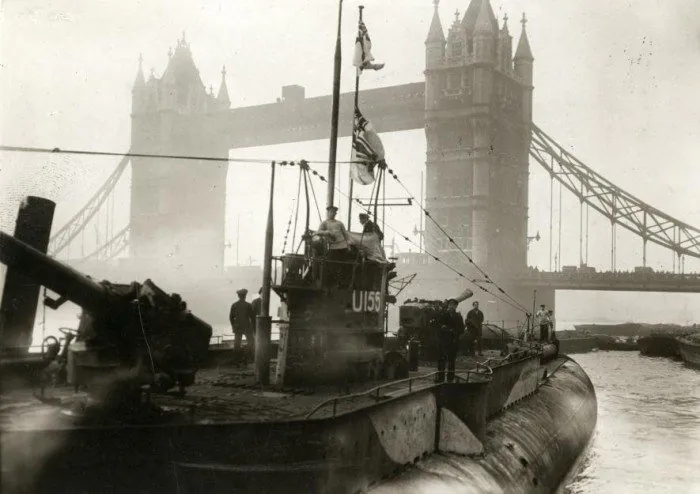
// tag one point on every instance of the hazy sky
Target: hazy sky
(615, 83)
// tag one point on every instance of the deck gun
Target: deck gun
(137, 328)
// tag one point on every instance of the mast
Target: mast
(357, 92)
(334, 113)
(420, 219)
(263, 322)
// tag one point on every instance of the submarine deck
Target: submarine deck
(228, 394)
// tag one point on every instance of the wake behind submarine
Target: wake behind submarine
(516, 423)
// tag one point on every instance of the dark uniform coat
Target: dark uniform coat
(242, 317)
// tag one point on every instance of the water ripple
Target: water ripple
(648, 432)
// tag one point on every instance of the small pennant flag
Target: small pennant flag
(363, 51)
(367, 150)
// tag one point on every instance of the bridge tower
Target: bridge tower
(178, 205)
(478, 102)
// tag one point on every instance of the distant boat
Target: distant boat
(633, 329)
(622, 329)
(689, 347)
(659, 345)
(605, 342)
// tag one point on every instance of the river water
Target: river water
(647, 439)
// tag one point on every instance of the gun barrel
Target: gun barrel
(54, 275)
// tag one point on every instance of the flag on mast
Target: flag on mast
(367, 150)
(363, 51)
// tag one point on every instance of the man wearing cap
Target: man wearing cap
(334, 230)
(450, 328)
(336, 234)
(243, 321)
(368, 226)
(474, 322)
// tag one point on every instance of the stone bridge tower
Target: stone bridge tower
(178, 205)
(478, 102)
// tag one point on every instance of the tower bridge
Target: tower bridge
(475, 104)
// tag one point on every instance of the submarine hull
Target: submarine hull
(516, 431)
(530, 447)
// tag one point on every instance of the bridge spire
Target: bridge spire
(223, 97)
(523, 52)
(474, 16)
(485, 32)
(485, 19)
(435, 42)
(140, 80)
(523, 66)
(435, 33)
(505, 47)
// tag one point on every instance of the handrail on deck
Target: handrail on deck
(458, 378)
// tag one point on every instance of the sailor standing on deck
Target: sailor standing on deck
(450, 328)
(474, 322)
(542, 318)
(242, 321)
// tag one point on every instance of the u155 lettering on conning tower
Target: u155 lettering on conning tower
(365, 301)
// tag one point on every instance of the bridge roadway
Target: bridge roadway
(609, 281)
(428, 270)
(390, 109)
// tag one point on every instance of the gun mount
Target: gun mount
(135, 329)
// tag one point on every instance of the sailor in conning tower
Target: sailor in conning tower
(338, 239)
(336, 234)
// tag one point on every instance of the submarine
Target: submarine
(348, 409)
(126, 402)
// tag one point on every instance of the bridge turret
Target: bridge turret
(178, 207)
(181, 89)
(223, 100)
(523, 63)
(435, 42)
(485, 34)
(139, 93)
(505, 48)
(478, 149)
(455, 50)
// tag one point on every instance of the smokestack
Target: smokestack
(20, 297)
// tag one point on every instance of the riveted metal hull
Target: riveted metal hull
(530, 447)
(515, 432)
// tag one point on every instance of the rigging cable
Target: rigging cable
(289, 226)
(56, 150)
(452, 241)
(296, 216)
(437, 259)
